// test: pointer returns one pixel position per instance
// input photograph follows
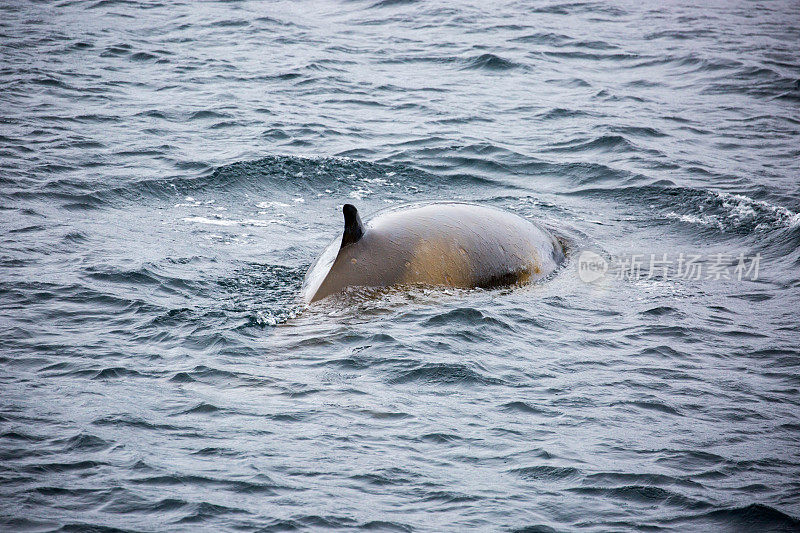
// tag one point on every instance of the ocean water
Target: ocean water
(169, 170)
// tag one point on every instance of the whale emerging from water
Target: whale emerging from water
(444, 244)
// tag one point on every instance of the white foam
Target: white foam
(744, 207)
(212, 221)
(740, 209)
(228, 222)
(359, 193)
(375, 181)
(190, 202)
(269, 205)
(705, 220)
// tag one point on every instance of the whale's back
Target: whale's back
(438, 244)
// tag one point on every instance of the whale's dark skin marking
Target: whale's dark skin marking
(446, 244)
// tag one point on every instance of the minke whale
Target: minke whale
(440, 244)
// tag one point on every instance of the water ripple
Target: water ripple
(168, 174)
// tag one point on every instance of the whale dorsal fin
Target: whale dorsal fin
(353, 229)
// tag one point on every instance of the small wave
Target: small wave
(84, 442)
(643, 494)
(651, 406)
(638, 131)
(593, 56)
(280, 177)
(447, 496)
(115, 373)
(444, 373)
(522, 407)
(546, 472)
(117, 50)
(260, 484)
(58, 468)
(201, 409)
(125, 503)
(394, 3)
(440, 438)
(300, 175)
(604, 143)
(573, 8)
(738, 213)
(489, 62)
(215, 452)
(626, 478)
(680, 35)
(205, 511)
(230, 23)
(486, 61)
(182, 377)
(131, 422)
(111, 3)
(562, 113)
(561, 40)
(209, 114)
(661, 310)
(466, 316)
(146, 275)
(535, 528)
(754, 517)
(21, 436)
(143, 56)
(383, 525)
(212, 375)
(722, 211)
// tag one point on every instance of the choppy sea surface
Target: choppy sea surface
(168, 172)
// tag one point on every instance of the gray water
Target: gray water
(168, 172)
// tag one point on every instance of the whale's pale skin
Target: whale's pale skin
(445, 244)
